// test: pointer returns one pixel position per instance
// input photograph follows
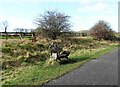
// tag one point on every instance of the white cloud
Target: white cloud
(72, 1)
(35, 1)
(91, 13)
(81, 23)
(112, 20)
(97, 7)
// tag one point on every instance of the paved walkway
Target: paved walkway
(100, 71)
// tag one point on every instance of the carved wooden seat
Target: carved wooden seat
(64, 54)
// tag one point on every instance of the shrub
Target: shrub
(102, 30)
(26, 46)
(43, 56)
(10, 64)
(39, 47)
(36, 57)
(6, 50)
(50, 63)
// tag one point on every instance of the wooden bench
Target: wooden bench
(64, 54)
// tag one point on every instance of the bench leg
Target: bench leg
(59, 59)
(67, 57)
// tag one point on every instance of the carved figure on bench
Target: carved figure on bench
(55, 52)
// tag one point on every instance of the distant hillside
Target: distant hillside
(85, 31)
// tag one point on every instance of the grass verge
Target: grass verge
(38, 74)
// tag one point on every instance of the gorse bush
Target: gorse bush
(36, 57)
(40, 47)
(76, 41)
(6, 49)
(39, 51)
(25, 46)
(23, 52)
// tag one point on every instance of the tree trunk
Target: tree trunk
(6, 33)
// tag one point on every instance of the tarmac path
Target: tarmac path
(100, 71)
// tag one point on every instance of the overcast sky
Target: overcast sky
(84, 13)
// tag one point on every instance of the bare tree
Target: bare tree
(20, 30)
(26, 30)
(5, 26)
(52, 23)
(102, 30)
(17, 29)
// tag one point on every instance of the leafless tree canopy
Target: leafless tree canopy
(101, 30)
(53, 22)
(5, 25)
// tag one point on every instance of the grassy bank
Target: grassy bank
(36, 74)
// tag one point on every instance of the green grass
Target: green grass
(105, 50)
(38, 74)
(118, 35)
